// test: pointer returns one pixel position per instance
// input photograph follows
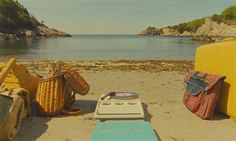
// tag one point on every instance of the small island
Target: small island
(16, 22)
(211, 28)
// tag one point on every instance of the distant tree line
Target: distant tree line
(189, 26)
(228, 16)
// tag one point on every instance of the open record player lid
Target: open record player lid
(125, 95)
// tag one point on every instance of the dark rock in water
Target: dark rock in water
(209, 38)
(203, 38)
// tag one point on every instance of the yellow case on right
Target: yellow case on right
(220, 58)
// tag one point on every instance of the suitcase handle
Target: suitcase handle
(199, 76)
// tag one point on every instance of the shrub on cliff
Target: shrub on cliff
(14, 16)
(153, 31)
(218, 18)
(228, 16)
(229, 13)
(189, 26)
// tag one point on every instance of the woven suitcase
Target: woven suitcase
(76, 82)
(202, 92)
(53, 94)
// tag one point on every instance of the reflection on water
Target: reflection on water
(17, 47)
(100, 47)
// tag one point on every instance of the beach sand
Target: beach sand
(160, 85)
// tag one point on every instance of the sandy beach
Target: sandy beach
(160, 85)
(143, 47)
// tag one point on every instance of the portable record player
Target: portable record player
(119, 105)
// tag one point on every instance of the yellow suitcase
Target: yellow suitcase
(14, 75)
(220, 58)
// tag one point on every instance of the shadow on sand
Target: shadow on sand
(35, 126)
(147, 115)
(219, 116)
(32, 128)
(87, 106)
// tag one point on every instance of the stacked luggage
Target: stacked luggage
(19, 88)
(15, 97)
(220, 58)
(215, 67)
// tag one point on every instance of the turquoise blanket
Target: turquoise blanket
(123, 131)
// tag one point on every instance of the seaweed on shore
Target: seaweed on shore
(43, 67)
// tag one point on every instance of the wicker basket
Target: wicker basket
(53, 95)
(76, 82)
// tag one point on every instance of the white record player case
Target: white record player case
(111, 108)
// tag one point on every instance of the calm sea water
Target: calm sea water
(100, 47)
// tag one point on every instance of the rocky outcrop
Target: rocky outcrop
(50, 32)
(169, 32)
(209, 31)
(148, 33)
(186, 34)
(152, 31)
(16, 22)
(212, 31)
(38, 32)
(210, 28)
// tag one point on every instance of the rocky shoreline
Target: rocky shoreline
(210, 31)
(39, 32)
(17, 23)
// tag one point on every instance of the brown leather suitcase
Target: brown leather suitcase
(202, 92)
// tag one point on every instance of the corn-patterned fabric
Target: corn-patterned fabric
(52, 95)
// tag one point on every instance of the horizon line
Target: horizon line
(101, 34)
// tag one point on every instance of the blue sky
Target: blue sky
(119, 16)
